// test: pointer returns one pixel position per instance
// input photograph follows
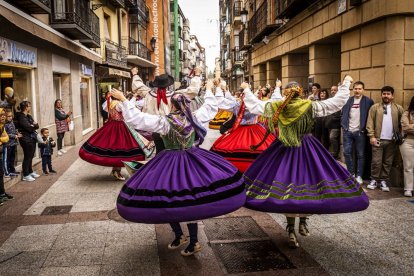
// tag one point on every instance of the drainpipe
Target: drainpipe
(176, 43)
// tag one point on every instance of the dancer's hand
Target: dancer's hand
(118, 95)
(244, 85)
(278, 83)
(209, 85)
(348, 78)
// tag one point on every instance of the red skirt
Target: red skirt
(110, 145)
(235, 147)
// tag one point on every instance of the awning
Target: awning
(117, 72)
(140, 61)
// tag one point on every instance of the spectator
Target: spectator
(316, 88)
(407, 149)
(383, 119)
(4, 138)
(27, 127)
(353, 122)
(62, 120)
(9, 150)
(46, 151)
(333, 124)
(321, 132)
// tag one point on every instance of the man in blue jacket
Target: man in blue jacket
(353, 122)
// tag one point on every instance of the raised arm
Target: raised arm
(139, 87)
(140, 120)
(209, 109)
(223, 102)
(334, 104)
(253, 104)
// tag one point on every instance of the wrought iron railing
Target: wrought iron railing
(130, 3)
(138, 49)
(237, 7)
(47, 3)
(238, 55)
(115, 54)
(259, 21)
(118, 3)
(95, 32)
(140, 13)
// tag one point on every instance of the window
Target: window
(107, 26)
(85, 100)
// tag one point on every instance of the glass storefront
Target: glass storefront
(85, 100)
(19, 79)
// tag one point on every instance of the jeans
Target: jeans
(47, 162)
(9, 157)
(357, 139)
(59, 140)
(192, 229)
(29, 149)
(334, 141)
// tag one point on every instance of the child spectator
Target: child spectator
(46, 151)
(4, 138)
(9, 150)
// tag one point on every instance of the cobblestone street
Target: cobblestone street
(87, 237)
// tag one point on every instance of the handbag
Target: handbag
(71, 126)
(398, 138)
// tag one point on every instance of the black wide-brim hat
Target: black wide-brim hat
(162, 81)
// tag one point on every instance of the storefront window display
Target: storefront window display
(17, 80)
(86, 105)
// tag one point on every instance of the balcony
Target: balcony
(34, 6)
(237, 7)
(139, 14)
(115, 55)
(75, 24)
(118, 3)
(238, 56)
(243, 40)
(130, 3)
(260, 25)
(138, 49)
(291, 8)
(95, 40)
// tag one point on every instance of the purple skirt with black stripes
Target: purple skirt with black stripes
(182, 185)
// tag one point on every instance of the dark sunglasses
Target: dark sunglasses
(385, 109)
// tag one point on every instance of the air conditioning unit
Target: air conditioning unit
(355, 2)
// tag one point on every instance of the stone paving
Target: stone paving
(378, 241)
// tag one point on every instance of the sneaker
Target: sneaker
(383, 186)
(59, 153)
(177, 242)
(191, 249)
(45, 173)
(293, 241)
(359, 180)
(52, 171)
(28, 178)
(7, 176)
(5, 197)
(63, 151)
(408, 193)
(34, 175)
(1, 203)
(372, 184)
(303, 229)
(14, 174)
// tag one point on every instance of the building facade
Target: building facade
(45, 55)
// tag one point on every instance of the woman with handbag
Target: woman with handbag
(27, 127)
(407, 149)
(62, 120)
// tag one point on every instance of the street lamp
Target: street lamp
(153, 42)
(243, 15)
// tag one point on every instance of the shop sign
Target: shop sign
(117, 72)
(15, 53)
(86, 70)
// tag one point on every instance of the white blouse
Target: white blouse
(320, 108)
(156, 123)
